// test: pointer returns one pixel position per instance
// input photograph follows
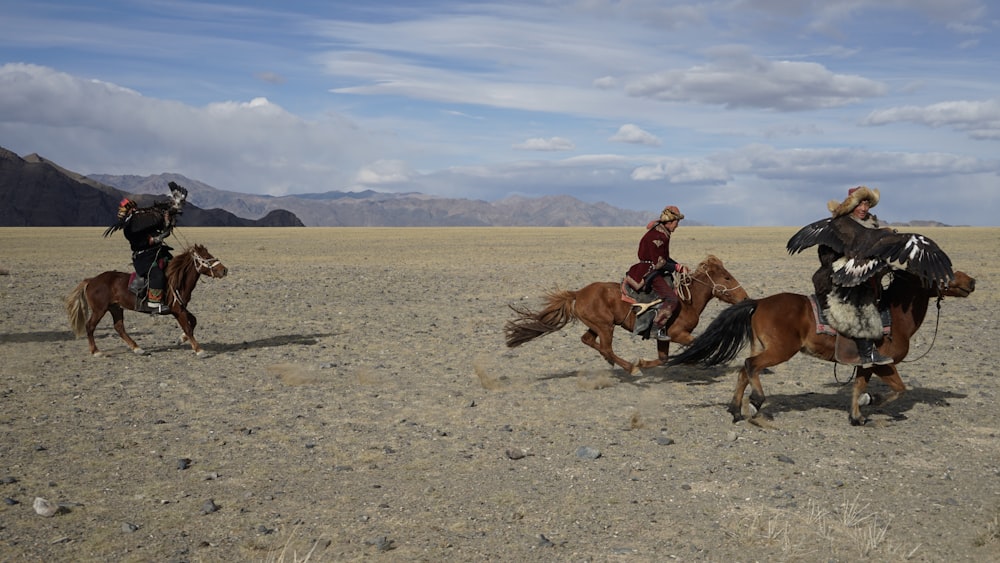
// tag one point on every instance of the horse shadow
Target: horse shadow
(693, 377)
(275, 341)
(39, 336)
(840, 398)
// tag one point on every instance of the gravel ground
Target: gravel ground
(356, 400)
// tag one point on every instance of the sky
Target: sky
(740, 112)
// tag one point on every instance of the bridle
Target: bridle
(209, 264)
(718, 290)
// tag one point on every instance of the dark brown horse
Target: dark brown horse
(779, 326)
(600, 307)
(109, 292)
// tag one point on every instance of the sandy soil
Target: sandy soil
(357, 400)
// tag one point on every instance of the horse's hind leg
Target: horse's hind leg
(601, 341)
(119, 317)
(735, 407)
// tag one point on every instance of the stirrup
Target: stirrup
(662, 334)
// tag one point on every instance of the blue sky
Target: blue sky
(741, 112)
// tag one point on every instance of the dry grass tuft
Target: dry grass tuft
(848, 531)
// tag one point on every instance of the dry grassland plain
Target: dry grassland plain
(357, 400)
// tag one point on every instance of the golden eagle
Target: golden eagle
(867, 252)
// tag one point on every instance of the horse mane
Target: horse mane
(181, 264)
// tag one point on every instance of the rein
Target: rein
(937, 325)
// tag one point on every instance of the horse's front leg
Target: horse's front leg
(187, 322)
(859, 397)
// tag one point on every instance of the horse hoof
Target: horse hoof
(139, 351)
(635, 371)
(200, 353)
(864, 399)
(96, 354)
(857, 421)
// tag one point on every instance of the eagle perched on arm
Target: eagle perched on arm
(869, 252)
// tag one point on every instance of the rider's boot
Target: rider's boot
(154, 299)
(869, 354)
(660, 321)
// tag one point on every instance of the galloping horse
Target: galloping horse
(109, 292)
(600, 307)
(779, 326)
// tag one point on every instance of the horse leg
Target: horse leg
(118, 315)
(662, 355)
(859, 397)
(95, 317)
(600, 340)
(735, 407)
(187, 322)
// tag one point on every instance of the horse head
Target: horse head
(724, 286)
(206, 264)
(961, 286)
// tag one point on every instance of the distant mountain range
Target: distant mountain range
(35, 191)
(372, 209)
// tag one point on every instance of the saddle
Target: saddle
(644, 304)
(139, 285)
(845, 350)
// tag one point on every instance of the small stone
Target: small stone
(587, 452)
(784, 459)
(128, 527)
(209, 507)
(664, 441)
(515, 453)
(183, 463)
(45, 507)
(9, 501)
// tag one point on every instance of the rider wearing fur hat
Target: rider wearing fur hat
(145, 228)
(852, 311)
(654, 262)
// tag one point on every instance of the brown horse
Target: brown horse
(109, 292)
(600, 307)
(781, 325)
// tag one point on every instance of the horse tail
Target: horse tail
(724, 338)
(529, 325)
(77, 308)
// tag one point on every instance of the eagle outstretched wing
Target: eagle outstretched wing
(812, 234)
(868, 252)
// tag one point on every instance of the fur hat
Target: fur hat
(854, 197)
(671, 213)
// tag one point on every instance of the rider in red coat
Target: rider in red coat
(654, 263)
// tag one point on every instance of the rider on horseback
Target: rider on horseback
(145, 228)
(852, 311)
(654, 263)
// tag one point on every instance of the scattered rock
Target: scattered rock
(209, 507)
(515, 453)
(128, 527)
(664, 441)
(544, 541)
(587, 452)
(382, 543)
(183, 463)
(45, 507)
(785, 459)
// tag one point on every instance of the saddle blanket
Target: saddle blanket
(823, 326)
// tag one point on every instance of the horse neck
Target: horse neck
(184, 277)
(701, 288)
(908, 302)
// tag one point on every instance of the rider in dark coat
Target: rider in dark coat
(654, 263)
(145, 229)
(855, 253)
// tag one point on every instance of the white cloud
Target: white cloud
(633, 134)
(980, 119)
(737, 79)
(550, 144)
